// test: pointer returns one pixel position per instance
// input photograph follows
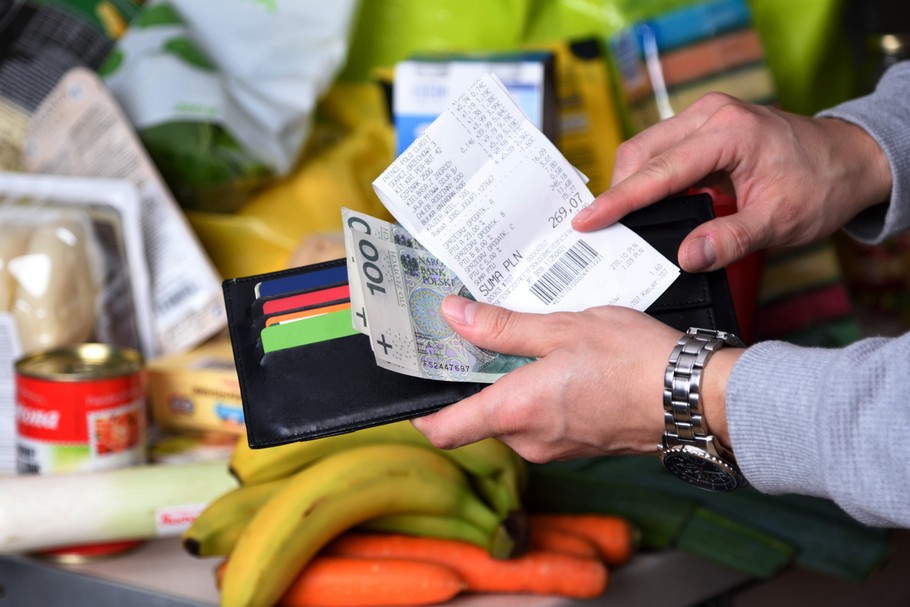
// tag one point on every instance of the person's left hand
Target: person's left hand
(596, 388)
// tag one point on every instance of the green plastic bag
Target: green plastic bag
(388, 31)
(808, 50)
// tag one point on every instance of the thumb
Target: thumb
(718, 243)
(493, 327)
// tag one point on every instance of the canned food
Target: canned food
(89, 553)
(80, 409)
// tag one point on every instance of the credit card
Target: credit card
(301, 282)
(301, 314)
(281, 336)
(302, 300)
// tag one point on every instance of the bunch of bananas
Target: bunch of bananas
(294, 499)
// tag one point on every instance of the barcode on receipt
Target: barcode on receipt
(569, 267)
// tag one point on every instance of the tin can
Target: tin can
(80, 409)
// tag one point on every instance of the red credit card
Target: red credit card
(301, 300)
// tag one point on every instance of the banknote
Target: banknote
(356, 223)
(401, 287)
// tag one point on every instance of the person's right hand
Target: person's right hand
(796, 179)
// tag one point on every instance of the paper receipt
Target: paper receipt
(493, 198)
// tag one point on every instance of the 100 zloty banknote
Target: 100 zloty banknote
(399, 289)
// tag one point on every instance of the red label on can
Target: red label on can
(57, 411)
(65, 425)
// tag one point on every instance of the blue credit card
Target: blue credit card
(302, 282)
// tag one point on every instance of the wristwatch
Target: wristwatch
(687, 450)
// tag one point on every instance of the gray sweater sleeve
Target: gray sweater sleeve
(884, 114)
(833, 422)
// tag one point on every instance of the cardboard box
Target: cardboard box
(196, 391)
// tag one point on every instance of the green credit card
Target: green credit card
(303, 331)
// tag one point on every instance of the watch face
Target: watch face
(702, 470)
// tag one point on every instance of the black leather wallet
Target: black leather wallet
(335, 386)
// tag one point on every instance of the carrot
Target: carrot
(335, 581)
(550, 539)
(614, 536)
(535, 572)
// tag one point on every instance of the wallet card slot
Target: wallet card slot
(335, 386)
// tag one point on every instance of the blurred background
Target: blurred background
(150, 150)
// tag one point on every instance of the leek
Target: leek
(51, 511)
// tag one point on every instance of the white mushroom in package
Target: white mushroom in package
(13, 242)
(49, 280)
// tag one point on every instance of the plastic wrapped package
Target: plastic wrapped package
(52, 280)
(79, 130)
(71, 263)
(664, 62)
(35, 54)
(221, 107)
(806, 43)
(13, 243)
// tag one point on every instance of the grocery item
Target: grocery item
(487, 458)
(339, 581)
(13, 243)
(44, 512)
(196, 391)
(185, 446)
(78, 131)
(216, 529)
(217, 111)
(72, 270)
(670, 56)
(614, 536)
(54, 302)
(745, 530)
(80, 408)
(536, 572)
(430, 525)
(334, 494)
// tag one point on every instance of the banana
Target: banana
(216, 529)
(520, 467)
(482, 458)
(499, 492)
(340, 491)
(496, 469)
(497, 541)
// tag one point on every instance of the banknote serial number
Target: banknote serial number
(438, 366)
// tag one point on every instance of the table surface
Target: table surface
(159, 573)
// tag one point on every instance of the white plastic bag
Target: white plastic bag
(256, 69)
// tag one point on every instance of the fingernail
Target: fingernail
(582, 214)
(700, 254)
(459, 310)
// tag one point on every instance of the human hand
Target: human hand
(595, 389)
(796, 179)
